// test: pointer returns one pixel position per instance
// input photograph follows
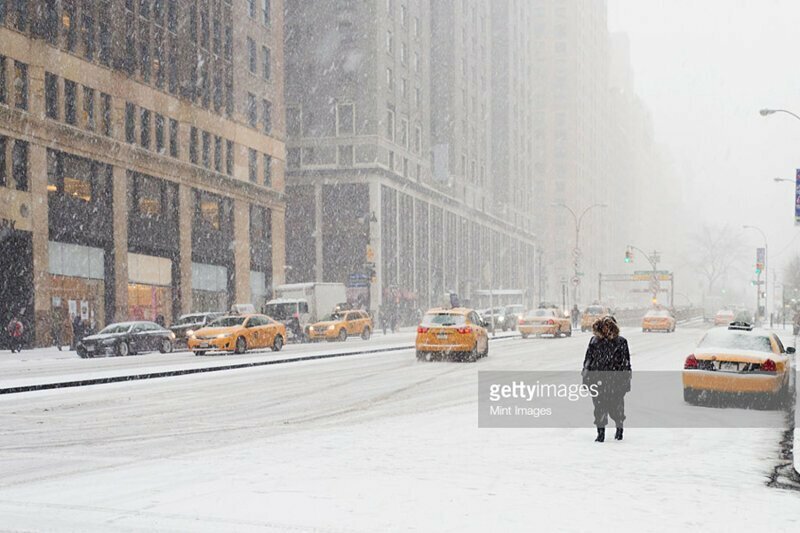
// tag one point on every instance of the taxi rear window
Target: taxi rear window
(736, 341)
(541, 312)
(443, 319)
(594, 310)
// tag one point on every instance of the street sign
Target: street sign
(650, 272)
(370, 254)
(797, 199)
(576, 281)
(358, 279)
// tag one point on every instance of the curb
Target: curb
(188, 371)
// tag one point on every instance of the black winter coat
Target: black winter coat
(608, 355)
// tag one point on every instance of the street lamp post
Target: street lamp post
(766, 272)
(577, 251)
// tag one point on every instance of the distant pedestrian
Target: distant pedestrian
(575, 313)
(607, 368)
(160, 321)
(57, 327)
(77, 331)
(15, 331)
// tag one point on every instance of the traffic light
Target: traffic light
(628, 256)
(759, 268)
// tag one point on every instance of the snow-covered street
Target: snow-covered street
(370, 443)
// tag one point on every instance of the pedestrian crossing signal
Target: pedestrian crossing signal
(628, 256)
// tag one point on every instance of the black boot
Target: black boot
(618, 434)
(601, 435)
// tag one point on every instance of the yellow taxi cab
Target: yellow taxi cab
(544, 321)
(457, 332)
(724, 317)
(339, 325)
(658, 320)
(592, 314)
(238, 333)
(741, 361)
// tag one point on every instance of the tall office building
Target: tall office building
(141, 157)
(367, 112)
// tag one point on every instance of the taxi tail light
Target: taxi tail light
(769, 366)
(691, 363)
(465, 329)
(422, 329)
(551, 322)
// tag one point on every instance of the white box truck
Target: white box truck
(300, 304)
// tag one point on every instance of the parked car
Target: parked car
(127, 338)
(188, 324)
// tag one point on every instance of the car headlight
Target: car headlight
(501, 319)
(331, 327)
(190, 333)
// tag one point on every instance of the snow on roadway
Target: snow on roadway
(370, 444)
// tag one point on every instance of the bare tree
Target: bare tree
(716, 250)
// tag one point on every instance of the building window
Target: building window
(252, 114)
(229, 155)
(389, 78)
(20, 85)
(51, 95)
(415, 62)
(266, 15)
(403, 54)
(159, 125)
(403, 88)
(70, 104)
(391, 161)
(209, 210)
(345, 119)
(417, 97)
(88, 108)
(228, 43)
(251, 55)
(218, 154)
(144, 133)
(403, 15)
(390, 124)
(404, 132)
(105, 104)
(418, 140)
(416, 26)
(193, 145)
(293, 157)
(19, 165)
(206, 149)
(68, 22)
(266, 106)
(267, 62)
(3, 179)
(173, 137)
(87, 27)
(148, 196)
(251, 8)
(294, 121)
(267, 161)
(389, 42)
(130, 121)
(346, 155)
(252, 165)
(3, 88)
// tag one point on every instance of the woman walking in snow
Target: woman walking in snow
(608, 366)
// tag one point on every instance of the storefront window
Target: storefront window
(148, 193)
(209, 211)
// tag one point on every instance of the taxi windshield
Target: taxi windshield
(657, 313)
(736, 340)
(332, 317)
(228, 321)
(541, 312)
(444, 319)
(189, 319)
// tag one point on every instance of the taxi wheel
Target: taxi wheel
(524, 335)
(200, 352)
(473, 354)
(366, 333)
(241, 345)
(568, 333)
(342, 335)
(422, 356)
(691, 396)
(277, 344)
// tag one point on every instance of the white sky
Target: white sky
(705, 68)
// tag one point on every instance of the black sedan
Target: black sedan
(188, 324)
(126, 338)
